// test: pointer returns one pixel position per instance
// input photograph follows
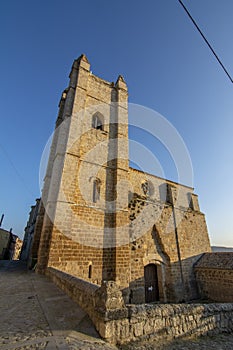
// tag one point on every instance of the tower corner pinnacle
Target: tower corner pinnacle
(120, 83)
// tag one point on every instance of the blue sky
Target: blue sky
(167, 67)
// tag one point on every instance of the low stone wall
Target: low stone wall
(170, 321)
(104, 304)
(80, 291)
(120, 323)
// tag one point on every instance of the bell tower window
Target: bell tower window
(98, 121)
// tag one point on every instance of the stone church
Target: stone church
(101, 220)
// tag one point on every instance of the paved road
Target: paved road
(35, 314)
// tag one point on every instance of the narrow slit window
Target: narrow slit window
(90, 271)
(96, 190)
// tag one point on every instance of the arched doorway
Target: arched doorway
(151, 283)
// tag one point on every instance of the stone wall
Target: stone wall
(79, 290)
(120, 323)
(178, 320)
(168, 230)
(104, 304)
(214, 274)
(78, 234)
(29, 231)
(4, 242)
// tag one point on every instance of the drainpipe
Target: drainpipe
(178, 250)
(173, 199)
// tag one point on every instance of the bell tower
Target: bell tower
(83, 227)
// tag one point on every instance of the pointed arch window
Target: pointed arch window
(96, 190)
(98, 121)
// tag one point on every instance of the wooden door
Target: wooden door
(151, 283)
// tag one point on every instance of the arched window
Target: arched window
(96, 190)
(98, 121)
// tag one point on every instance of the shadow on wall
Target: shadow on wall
(163, 282)
(120, 323)
(214, 275)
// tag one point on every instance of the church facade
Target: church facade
(101, 220)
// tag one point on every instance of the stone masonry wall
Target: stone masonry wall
(215, 284)
(120, 323)
(178, 320)
(77, 227)
(168, 230)
(214, 274)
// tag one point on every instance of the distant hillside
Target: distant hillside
(221, 249)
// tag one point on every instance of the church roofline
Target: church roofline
(162, 178)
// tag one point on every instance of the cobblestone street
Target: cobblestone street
(35, 314)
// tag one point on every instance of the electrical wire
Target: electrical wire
(206, 41)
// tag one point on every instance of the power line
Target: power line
(206, 41)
